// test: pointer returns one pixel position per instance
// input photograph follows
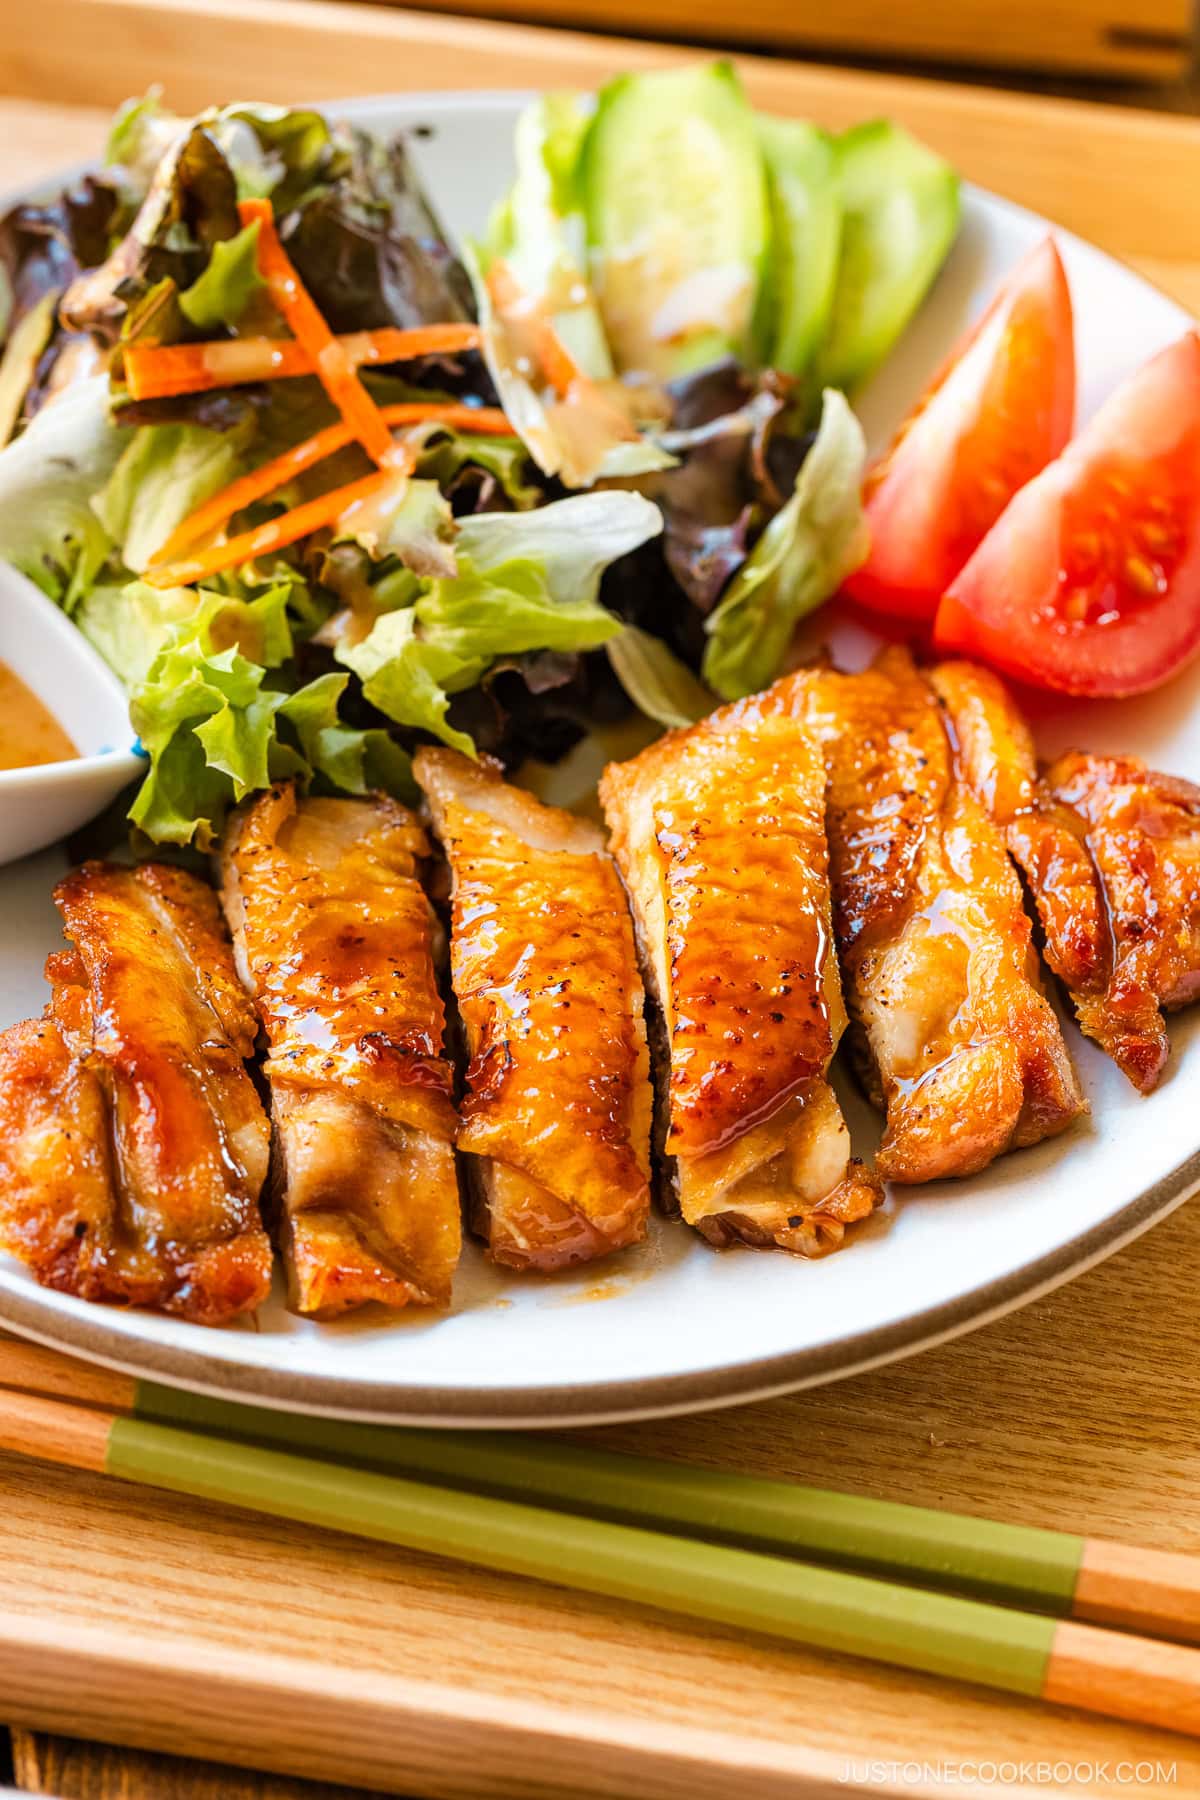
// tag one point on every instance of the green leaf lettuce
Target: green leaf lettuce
(164, 473)
(538, 230)
(802, 557)
(659, 684)
(217, 723)
(447, 453)
(525, 581)
(129, 622)
(411, 678)
(48, 476)
(228, 285)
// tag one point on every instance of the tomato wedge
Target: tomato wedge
(1000, 408)
(1089, 582)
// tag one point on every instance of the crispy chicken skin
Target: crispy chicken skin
(133, 1145)
(556, 1114)
(719, 836)
(1111, 853)
(961, 1046)
(335, 941)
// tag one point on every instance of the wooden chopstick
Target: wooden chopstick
(1135, 1588)
(1066, 1662)
(1061, 1661)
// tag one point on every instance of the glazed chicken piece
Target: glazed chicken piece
(959, 1044)
(133, 1145)
(335, 941)
(718, 831)
(1111, 853)
(556, 1114)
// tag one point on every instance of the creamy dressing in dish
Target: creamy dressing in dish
(29, 732)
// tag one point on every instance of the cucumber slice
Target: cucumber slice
(800, 277)
(900, 214)
(675, 199)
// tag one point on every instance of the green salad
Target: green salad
(320, 484)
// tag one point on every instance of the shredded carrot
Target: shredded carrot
(557, 364)
(157, 371)
(333, 367)
(487, 420)
(276, 534)
(560, 368)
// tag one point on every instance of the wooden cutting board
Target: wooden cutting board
(178, 1626)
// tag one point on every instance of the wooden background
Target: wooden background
(1140, 39)
(182, 1627)
(175, 1625)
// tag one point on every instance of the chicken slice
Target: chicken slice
(719, 835)
(961, 1047)
(133, 1146)
(556, 1115)
(1111, 853)
(335, 941)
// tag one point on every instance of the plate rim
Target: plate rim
(601, 1403)
(31, 1313)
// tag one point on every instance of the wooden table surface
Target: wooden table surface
(144, 1620)
(1149, 39)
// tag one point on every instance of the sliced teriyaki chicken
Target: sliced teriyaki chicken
(557, 1109)
(960, 1045)
(719, 835)
(133, 1145)
(1111, 853)
(335, 940)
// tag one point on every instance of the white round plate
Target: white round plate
(674, 1326)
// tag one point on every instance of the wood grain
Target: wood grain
(1135, 1678)
(401, 1673)
(134, 1618)
(1139, 1590)
(1078, 1412)
(35, 1370)
(1123, 177)
(1144, 39)
(32, 1425)
(72, 1770)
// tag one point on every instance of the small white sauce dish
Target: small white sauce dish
(43, 648)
